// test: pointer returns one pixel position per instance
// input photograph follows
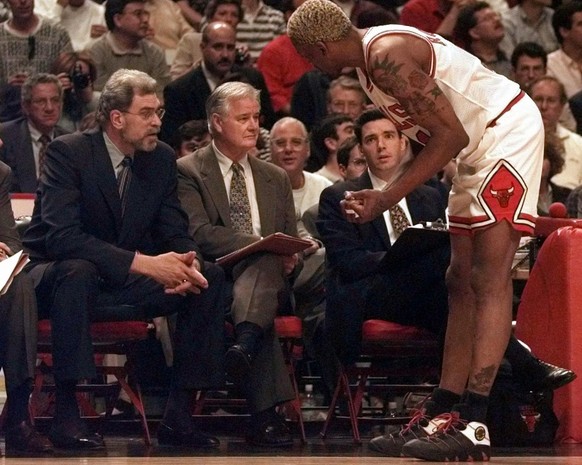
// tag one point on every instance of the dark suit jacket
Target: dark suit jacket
(77, 214)
(185, 99)
(204, 197)
(8, 233)
(356, 255)
(17, 153)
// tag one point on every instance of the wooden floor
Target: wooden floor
(338, 449)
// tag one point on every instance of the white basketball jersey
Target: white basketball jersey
(477, 94)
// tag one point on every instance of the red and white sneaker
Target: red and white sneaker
(455, 441)
(420, 426)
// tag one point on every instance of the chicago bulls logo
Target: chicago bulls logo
(502, 195)
(503, 192)
(529, 416)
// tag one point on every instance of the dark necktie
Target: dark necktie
(123, 181)
(240, 207)
(44, 142)
(398, 220)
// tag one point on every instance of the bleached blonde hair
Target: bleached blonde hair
(318, 21)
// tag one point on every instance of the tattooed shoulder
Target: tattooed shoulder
(386, 75)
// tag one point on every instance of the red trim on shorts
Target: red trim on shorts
(509, 106)
(470, 231)
(467, 221)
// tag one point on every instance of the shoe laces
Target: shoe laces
(449, 423)
(419, 415)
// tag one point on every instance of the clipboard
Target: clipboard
(417, 240)
(277, 243)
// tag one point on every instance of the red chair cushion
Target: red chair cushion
(381, 331)
(288, 326)
(103, 332)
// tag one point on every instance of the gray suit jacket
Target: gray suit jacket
(17, 153)
(203, 195)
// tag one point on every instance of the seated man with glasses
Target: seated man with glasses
(108, 230)
(25, 139)
(126, 46)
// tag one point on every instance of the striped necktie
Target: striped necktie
(44, 142)
(123, 181)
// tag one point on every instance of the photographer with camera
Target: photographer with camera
(77, 73)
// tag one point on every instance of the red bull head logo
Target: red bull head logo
(502, 195)
(529, 416)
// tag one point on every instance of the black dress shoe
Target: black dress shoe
(272, 433)
(237, 362)
(69, 436)
(553, 377)
(196, 439)
(24, 438)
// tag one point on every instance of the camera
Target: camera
(240, 56)
(79, 79)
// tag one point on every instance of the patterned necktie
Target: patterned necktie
(123, 181)
(44, 142)
(398, 220)
(240, 207)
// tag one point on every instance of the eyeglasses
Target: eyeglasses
(138, 13)
(148, 115)
(359, 162)
(296, 143)
(44, 102)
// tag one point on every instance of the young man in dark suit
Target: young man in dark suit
(360, 271)
(107, 230)
(210, 189)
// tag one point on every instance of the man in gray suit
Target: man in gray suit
(207, 186)
(26, 139)
(17, 336)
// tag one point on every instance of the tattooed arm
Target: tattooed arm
(398, 66)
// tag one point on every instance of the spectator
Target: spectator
(26, 139)
(189, 53)
(29, 44)
(125, 46)
(191, 136)
(326, 138)
(481, 31)
(528, 63)
(529, 21)
(80, 98)
(260, 25)
(549, 95)
(167, 26)
(350, 160)
(553, 164)
(84, 20)
(438, 16)
(345, 95)
(193, 10)
(282, 67)
(186, 96)
(565, 63)
(289, 151)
